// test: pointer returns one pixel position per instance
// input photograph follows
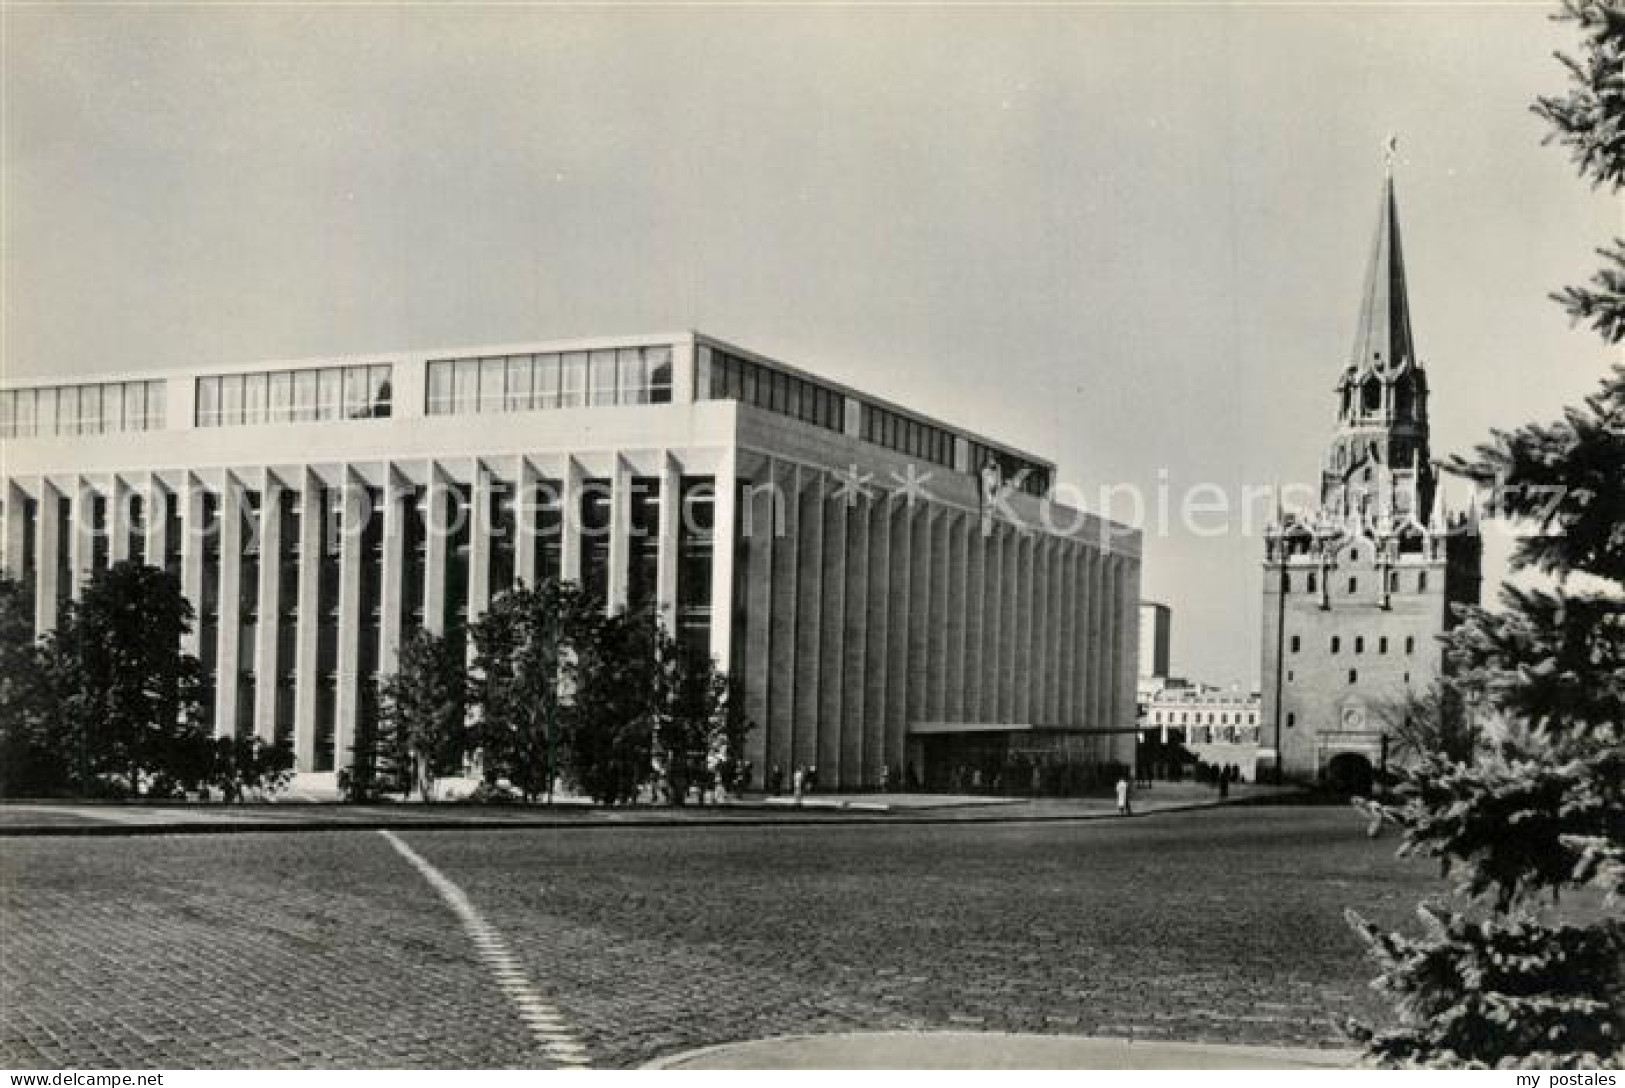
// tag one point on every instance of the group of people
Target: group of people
(803, 780)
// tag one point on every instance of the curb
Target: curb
(991, 1050)
(751, 818)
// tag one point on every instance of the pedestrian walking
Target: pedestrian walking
(798, 782)
(775, 780)
(1122, 797)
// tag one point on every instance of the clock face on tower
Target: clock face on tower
(1353, 717)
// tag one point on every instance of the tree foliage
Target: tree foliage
(1507, 976)
(609, 705)
(699, 730)
(422, 707)
(523, 647)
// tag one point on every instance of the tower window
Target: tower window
(1354, 555)
(1410, 644)
(1295, 643)
(1314, 584)
(1422, 582)
(1382, 644)
(1393, 582)
(1359, 644)
(1337, 644)
(1291, 720)
(1354, 584)
(1354, 676)
(1290, 676)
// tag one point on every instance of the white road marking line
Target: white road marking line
(546, 1026)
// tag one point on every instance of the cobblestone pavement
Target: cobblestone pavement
(326, 949)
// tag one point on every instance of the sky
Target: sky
(1129, 239)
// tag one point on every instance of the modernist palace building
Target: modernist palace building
(889, 591)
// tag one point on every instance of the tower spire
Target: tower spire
(1382, 337)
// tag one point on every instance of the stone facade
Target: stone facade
(1358, 591)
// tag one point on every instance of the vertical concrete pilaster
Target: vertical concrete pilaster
(81, 536)
(46, 543)
(351, 541)
(228, 662)
(312, 540)
(524, 521)
(832, 643)
(570, 523)
(809, 579)
(878, 628)
(14, 530)
(479, 544)
(118, 521)
(855, 641)
(436, 551)
(724, 550)
(620, 533)
(157, 504)
(392, 571)
(671, 520)
(268, 594)
(192, 539)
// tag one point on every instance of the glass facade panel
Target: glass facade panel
(440, 388)
(466, 386)
(520, 383)
(546, 392)
(135, 406)
(231, 400)
(380, 391)
(573, 384)
(329, 393)
(304, 396)
(280, 396)
(631, 377)
(492, 377)
(26, 418)
(658, 361)
(90, 409)
(602, 391)
(112, 408)
(357, 404)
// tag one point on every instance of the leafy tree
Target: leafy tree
(423, 706)
(1503, 976)
(522, 652)
(239, 766)
(118, 695)
(1435, 721)
(699, 735)
(609, 706)
(379, 763)
(33, 756)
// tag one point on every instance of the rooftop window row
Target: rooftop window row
(570, 379)
(101, 408)
(310, 395)
(722, 376)
(898, 432)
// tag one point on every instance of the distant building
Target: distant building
(1219, 726)
(1357, 593)
(1156, 621)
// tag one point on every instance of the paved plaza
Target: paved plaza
(331, 948)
